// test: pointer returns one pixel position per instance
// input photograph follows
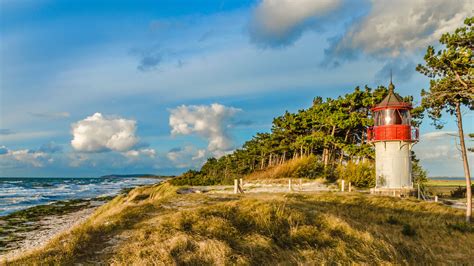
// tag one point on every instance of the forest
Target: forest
(332, 133)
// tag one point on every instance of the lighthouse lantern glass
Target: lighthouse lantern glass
(392, 117)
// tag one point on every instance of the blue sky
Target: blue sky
(95, 87)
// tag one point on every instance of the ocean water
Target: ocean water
(21, 193)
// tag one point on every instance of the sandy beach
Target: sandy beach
(46, 229)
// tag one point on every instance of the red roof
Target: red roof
(392, 100)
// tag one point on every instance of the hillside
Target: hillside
(164, 224)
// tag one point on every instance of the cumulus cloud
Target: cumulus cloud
(11, 158)
(208, 121)
(188, 156)
(394, 27)
(280, 22)
(135, 154)
(99, 133)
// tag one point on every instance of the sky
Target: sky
(97, 87)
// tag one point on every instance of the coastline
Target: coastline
(33, 227)
(47, 228)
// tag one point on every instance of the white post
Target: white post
(289, 185)
(236, 186)
(418, 190)
(436, 198)
(350, 187)
(241, 187)
(342, 185)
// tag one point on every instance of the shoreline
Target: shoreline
(47, 228)
(31, 228)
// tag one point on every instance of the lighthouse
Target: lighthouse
(393, 138)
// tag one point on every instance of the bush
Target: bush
(407, 230)
(308, 167)
(460, 192)
(197, 178)
(461, 227)
(359, 174)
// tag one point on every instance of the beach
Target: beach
(46, 229)
(35, 210)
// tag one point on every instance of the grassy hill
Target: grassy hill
(159, 225)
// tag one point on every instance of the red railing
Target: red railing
(392, 132)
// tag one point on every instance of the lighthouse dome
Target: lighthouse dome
(392, 100)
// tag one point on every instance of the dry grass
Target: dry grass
(163, 228)
(293, 168)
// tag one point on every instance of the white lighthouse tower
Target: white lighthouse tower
(393, 137)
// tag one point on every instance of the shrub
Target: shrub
(460, 192)
(407, 230)
(392, 220)
(461, 227)
(359, 174)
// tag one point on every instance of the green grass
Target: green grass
(446, 183)
(155, 225)
(446, 188)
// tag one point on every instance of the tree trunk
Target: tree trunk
(345, 142)
(467, 175)
(327, 154)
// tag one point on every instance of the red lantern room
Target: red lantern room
(392, 120)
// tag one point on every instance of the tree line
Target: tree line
(332, 130)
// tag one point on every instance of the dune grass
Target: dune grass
(302, 167)
(155, 225)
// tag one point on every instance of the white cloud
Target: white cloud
(208, 121)
(438, 135)
(10, 158)
(439, 152)
(98, 133)
(135, 154)
(188, 156)
(280, 21)
(393, 27)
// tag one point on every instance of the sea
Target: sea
(17, 193)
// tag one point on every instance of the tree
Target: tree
(451, 86)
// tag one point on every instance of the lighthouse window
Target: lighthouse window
(378, 118)
(390, 117)
(406, 118)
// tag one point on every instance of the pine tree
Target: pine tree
(451, 71)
